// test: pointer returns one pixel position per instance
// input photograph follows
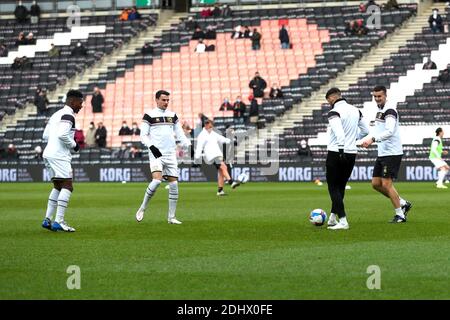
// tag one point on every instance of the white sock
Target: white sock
(52, 203)
(332, 216)
(402, 202)
(173, 198)
(343, 220)
(399, 212)
(63, 202)
(441, 176)
(151, 189)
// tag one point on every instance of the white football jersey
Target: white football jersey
(210, 144)
(387, 131)
(59, 134)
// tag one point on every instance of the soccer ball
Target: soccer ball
(317, 217)
(243, 178)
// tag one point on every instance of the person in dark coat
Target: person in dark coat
(100, 135)
(198, 34)
(147, 49)
(35, 12)
(21, 13)
(226, 105)
(275, 92)
(135, 131)
(97, 101)
(41, 102)
(284, 38)
(258, 85)
(435, 21)
(125, 129)
(238, 110)
(79, 50)
(256, 40)
(254, 110)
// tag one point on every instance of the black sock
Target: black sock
(230, 181)
(220, 189)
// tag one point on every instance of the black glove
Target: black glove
(155, 151)
(341, 155)
(77, 147)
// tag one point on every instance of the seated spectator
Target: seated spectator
(238, 110)
(198, 34)
(124, 15)
(35, 12)
(147, 49)
(226, 105)
(97, 100)
(254, 109)
(247, 32)
(79, 137)
(391, 5)
(90, 136)
(22, 63)
(429, 65)
(12, 153)
(435, 21)
(54, 51)
(226, 11)
(360, 28)
(135, 152)
(362, 7)
(79, 50)
(123, 152)
(30, 40)
(304, 151)
(216, 13)
(206, 13)
(275, 92)
(135, 131)
(190, 24)
(134, 14)
(38, 153)
(237, 33)
(125, 129)
(201, 47)
(21, 40)
(21, 13)
(444, 76)
(210, 32)
(3, 50)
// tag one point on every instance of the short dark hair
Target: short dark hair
(332, 91)
(159, 93)
(438, 131)
(209, 121)
(74, 94)
(380, 88)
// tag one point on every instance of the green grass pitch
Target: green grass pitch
(256, 243)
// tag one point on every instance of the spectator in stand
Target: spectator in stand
(275, 92)
(90, 136)
(258, 85)
(201, 47)
(35, 12)
(256, 40)
(436, 22)
(135, 152)
(79, 51)
(3, 50)
(123, 152)
(226, 11)
(31, 40)
(21, 63)
(21, 40)
(444, 76)
(135, 131)
(429, 65)
(12, 153)
(226, 105)
(147, 49)
(362, 7)
(237, 33)
(206, 13)
(254, 110)
(360, 27)
(284, 37)
(41, 102)
(210, 32)
(97, 101)
(100, 135)
(216, 13)
(304, 151)
(391, 5)
(54, 51)
(238, 110)
(247, 32)
(125, 129)
(134, 14)
(190, 24)
(124, 15)
(38, 153)
(79, 137)
(198, 34)
(21, 13)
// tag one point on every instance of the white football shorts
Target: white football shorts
(167, 164)
(438, 163)
(58, 169)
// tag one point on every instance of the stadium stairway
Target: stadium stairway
(166, 18)
(365, 64)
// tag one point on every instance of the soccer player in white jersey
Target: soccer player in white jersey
(390, 152)
(436, 152)
(346, 126)
(158, 131)
(209, 143)
(59, 134)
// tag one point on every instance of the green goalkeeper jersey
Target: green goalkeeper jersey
(436, 149)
